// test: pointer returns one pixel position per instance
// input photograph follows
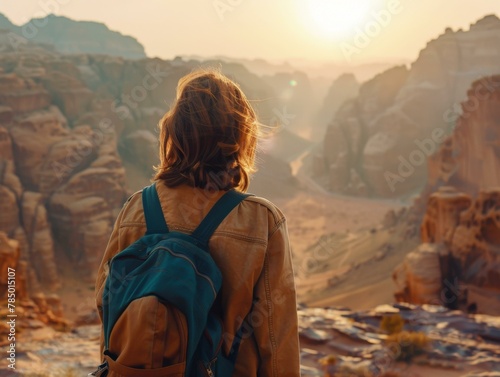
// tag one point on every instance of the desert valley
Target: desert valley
(388, 175)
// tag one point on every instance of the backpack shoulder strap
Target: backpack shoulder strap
(217, 213)
(155, 220)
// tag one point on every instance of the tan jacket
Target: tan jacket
(252, 251)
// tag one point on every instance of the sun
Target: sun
(337, 18)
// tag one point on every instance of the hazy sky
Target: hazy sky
(272, 29)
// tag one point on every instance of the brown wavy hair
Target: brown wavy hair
(208, 138)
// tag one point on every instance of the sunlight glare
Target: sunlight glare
(333, 18)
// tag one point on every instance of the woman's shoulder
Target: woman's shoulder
(261, 209)
(132, 212)
(267, 204)
(254, 207)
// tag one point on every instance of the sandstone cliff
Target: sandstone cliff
(458, 264)
(469, 158)
(61, 183)
(386, 134)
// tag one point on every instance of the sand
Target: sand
(342, 256)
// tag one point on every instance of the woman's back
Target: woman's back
(207, 146)
(250, 247)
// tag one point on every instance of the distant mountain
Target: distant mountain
(70, 36)
(6, 24)
(315, 70)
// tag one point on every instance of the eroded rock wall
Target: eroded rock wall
(460, 229)
(402, 116)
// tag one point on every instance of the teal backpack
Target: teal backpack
(176, 268)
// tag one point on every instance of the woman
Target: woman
(207, 145)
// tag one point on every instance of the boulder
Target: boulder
(419, 277)
(443, 214)
(463, 235)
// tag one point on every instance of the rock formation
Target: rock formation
(33, 308)
(345, 87)
(9, 252)
(70, 94)
(22, 95)
(469, 158)
(402, 116)
(460, 230)
(347, 136)
(33, 135)
(443, 213)
(458, 264)
(475, 241)
(61, 185)
(40, 251)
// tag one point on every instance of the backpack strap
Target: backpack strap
(155, 220)
(217, 213)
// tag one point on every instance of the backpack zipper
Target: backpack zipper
(208, 367)
(206, 277)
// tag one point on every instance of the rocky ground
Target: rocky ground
(460, 345)
(349, 343)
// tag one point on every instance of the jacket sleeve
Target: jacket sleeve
(274, 315)
(120, 238)
(112, 249)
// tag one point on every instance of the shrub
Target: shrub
(353, 371)
(328, 360)
(406, 344)
(392, 324)
(328, 363)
